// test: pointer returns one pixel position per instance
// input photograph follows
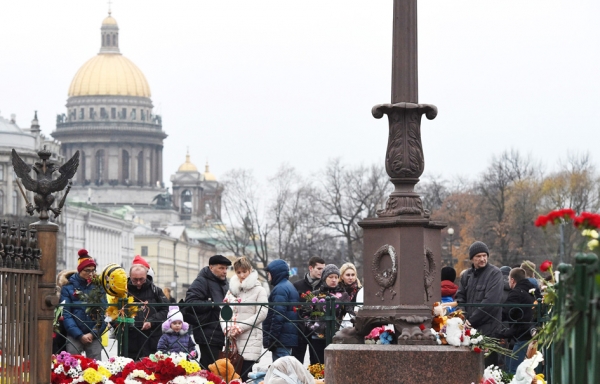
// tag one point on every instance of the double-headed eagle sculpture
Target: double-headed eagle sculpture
(44, 186)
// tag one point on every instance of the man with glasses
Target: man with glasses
(84, 330)
(145, 333)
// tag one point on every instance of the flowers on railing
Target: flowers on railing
(380, 335)
(157, 368)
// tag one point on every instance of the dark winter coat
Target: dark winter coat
(520, 319)
(176, 342)
(206, 288)
(303, 285)
(142, 343)
(76, 320)
(278, 330)
(482, 286)
(351, 290)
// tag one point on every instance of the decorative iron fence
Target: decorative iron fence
(574, 355)
(19, 276)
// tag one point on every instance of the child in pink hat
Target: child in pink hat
(175, 336)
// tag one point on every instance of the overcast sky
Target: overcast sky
(254, 84)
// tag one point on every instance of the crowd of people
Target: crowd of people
(281, 328)
(486, 284)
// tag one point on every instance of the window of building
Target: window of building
(92, 114)
(114, 40)
(133, 114)
(113, 113)
(15, 203)
(142, 115)
(1, 172)
(103, 114)
(81, 114)
(82, 167)
(125, 164)
(123, 113)
(1, 202)
(144, 250)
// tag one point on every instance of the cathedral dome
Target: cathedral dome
(208, 176)
(109, 73)
(187, 166)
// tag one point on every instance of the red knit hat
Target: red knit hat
(85, 260)
(140, 261)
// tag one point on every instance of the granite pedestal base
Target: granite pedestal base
(401, 364)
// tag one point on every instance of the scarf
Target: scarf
(312, 282)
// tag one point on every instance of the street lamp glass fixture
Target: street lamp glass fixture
(451, 231)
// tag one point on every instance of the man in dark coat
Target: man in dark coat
(482, 284)
(310, 282)
(279, 330)
(520, 319)
(145, 333)
(209, 287)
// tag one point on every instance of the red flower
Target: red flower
(477, 350)
(468, 332)
(462, 338)
(587, 220)
(546, 265)
(422, 327)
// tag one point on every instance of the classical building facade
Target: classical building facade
(196, 196)
(110, 121)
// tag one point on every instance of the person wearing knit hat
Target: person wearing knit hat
(85, 260)
(330, 269)
(82, 327)
(330, 287)
(139, 260)
(175, 336)
(482, 284)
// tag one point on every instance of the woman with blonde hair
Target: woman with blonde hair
(246, 325)
(349, 280)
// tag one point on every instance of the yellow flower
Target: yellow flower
(92, 376)
(593, 244)
(189, 366)
(103, 371)
(590, 233)
(540, 378)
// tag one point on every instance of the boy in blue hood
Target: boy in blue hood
(279, 332)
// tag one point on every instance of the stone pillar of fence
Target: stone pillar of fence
(48, 300)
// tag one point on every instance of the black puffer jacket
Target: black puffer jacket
(207, 288)
(483, 285)
(155, 315)
(520, 319)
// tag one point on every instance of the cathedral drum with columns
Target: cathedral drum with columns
(110, 121)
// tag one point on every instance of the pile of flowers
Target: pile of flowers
(157, 368)
(452, 330)
(380, 335)
(317, 370)
(525, 372)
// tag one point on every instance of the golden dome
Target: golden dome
(207, 175)
(109, 74)
(109, 20)
(187, 166)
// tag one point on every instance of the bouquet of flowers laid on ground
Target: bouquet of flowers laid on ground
(380, 335)
(317, 370)
(525, 371)
(157, 368)
(453, 331)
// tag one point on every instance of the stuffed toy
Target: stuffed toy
(526, 370)
(223, 367)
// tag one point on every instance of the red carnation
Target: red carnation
(546, 265)
(422, 327)
(477, 350)
(541, 221)
(468, 332)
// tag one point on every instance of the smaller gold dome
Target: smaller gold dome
(207, 175)
(187, 166)
(109, 20)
